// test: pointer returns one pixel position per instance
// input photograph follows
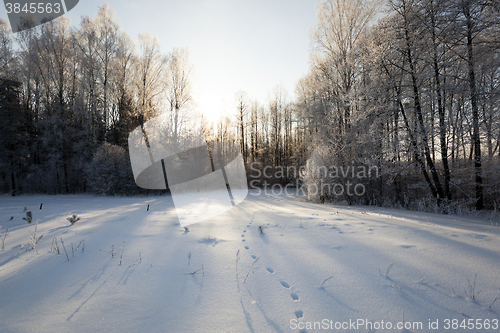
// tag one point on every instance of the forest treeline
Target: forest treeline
(409, 88)
(70, 97)
(415, 93)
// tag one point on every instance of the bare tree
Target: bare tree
(107, 39)
(151, 67)
(124, 117)
(254, 130)
(178, 89)
(241, 115)
(473, 20)
(340, 26)
(6, 48)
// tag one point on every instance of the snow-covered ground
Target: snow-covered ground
(313, 268)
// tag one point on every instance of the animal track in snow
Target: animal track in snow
(295, 297)
(246, 247)
(270, 270)
(299, 313)
(253, 257)
(284, 284)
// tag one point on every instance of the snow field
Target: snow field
(312, 262)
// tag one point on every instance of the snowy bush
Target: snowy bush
(311, 178)
(5, 234)
(29, 217)
(109, 171)
(73, 219)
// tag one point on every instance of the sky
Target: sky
(234, 45)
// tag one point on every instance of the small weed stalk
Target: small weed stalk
(470, 290)
(328, 278)
(136, 263)
(121, 255)
(6, 233)
(82, 244)
(64, 247)
(20, 247)
(261, 230)
(72, 251)
(56, 248)
(112, 251)
(201, 269)
(237, 259)
(251, 269)
(52, 243)
(33, 240)
(189, 258)
(496, 298)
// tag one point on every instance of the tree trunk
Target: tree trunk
(418, 109)
(476, 140)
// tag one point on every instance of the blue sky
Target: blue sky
(249, 45)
